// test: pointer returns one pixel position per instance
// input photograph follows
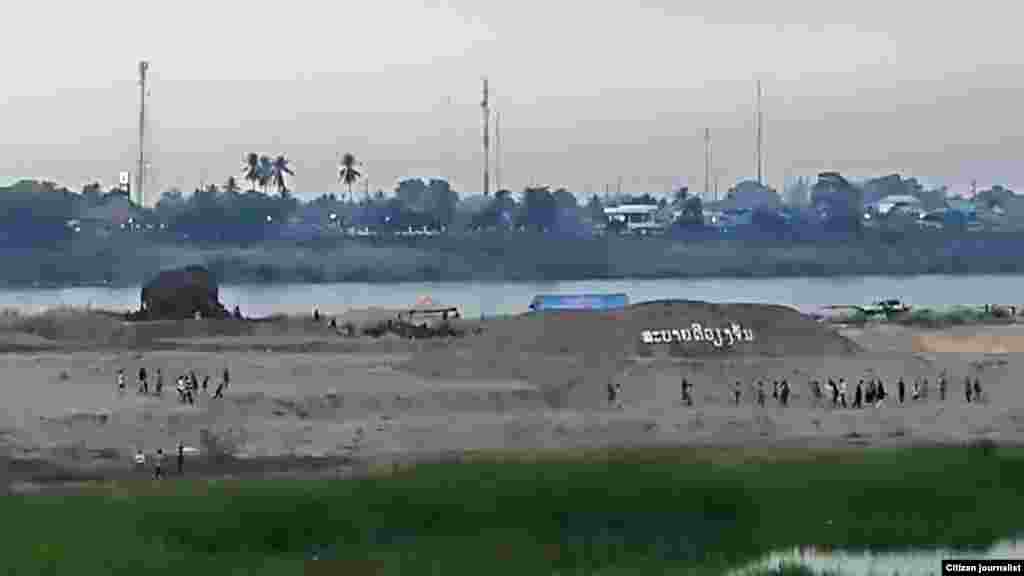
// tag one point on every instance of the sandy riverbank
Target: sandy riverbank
(311, 401)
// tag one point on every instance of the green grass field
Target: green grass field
(658, 511)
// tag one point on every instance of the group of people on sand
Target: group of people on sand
(158, 461)
(867, 392)
(187, 387)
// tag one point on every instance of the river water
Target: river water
(474, 299)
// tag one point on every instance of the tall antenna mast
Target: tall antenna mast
(140, 172)
(758, 119)
(487, 143)
(497, 150)
(707, 163)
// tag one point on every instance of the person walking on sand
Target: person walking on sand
(159, 389)
(775, 389)
(227, 378)
(760, 393)
(140, 460)
(901, 390)
(784, 392)
(842, 392)
(942, 386)
(682, 390)
(858, 395)
(977, 389)
(869, 393)
(611, 394)
(834, 390)
(967, 388)
(915, 390)
(181, 458)
(143, 384)
(121, 385)
(737, 392)
(219, 391)
(206, 383)
(158, 462)
(193, 380)
(180, 387)
(687, 393)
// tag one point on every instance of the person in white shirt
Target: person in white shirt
(140, 460)
(842, 392)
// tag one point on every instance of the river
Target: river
(474, 299)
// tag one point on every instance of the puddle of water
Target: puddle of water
(866, 563)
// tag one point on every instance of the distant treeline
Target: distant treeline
(514, 256)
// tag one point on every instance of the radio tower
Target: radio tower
(487, 142)
(140, 171)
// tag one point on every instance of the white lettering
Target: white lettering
(647, 337)
(698, 332)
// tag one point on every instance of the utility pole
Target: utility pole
(618, 189)
(497, 150)
(487, 144)
(707, 163)
(758, 121)
(140, 172)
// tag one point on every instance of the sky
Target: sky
(588, 92)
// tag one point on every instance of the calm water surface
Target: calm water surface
(474, 299)
(911, 563)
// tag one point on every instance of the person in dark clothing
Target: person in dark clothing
(158, 462)
(942, 387)
(682, 390)
(816, 392)
(835, 392)
(901, 389)
(687, 393)
(237, 312)
(316, 315)
(227, 378)
(219, 392)
(784, 392)
(206, 383)
(967, 388)
(775, 389)
(193, 380)
(760, 394)
(611, 394)
(882, 392)
(869, 393)
(858, 395)
(181, 457)
(143, 385)
(977, 389)
(737, 393)
(159, 382)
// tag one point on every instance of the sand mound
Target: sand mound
(572, 355)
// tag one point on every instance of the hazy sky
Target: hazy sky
(587, 91)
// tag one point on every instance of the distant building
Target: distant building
(635, 218)
(751, 195)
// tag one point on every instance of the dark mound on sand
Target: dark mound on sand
(558, 351)
(180, 294)
(672, 327)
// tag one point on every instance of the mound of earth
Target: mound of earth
(559, 351)
(989, 340)
(180, 294)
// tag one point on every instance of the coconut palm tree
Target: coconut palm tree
(280, 168)
(251, 169)
(348, 173)
(265, 172)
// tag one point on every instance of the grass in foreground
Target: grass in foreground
(650, 511)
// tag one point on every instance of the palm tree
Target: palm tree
(265, 172)
(347, 171)
(280, 168)
(251, 169)
(231, 186)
